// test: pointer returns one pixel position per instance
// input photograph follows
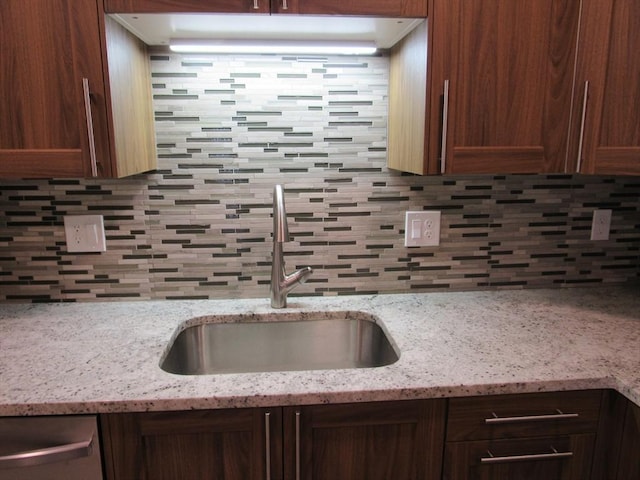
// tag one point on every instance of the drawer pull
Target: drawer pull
(496, 420)
(553, 455)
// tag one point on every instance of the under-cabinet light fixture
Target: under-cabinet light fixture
(273, 46)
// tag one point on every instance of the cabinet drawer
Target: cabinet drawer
(511, 416)
(549, 458)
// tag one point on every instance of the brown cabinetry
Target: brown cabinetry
(606, 120)
(57, 97)
(538, 436)
(395, 8)
(500, 77)
(386, 440)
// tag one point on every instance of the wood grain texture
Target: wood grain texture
(466, 420)
(185, 6)
(463, 459)
(385, 8)
(609, 42)
(395, 8)
(408, 103)
(41, 101)
(221, 444)
(375, 441)
(129, 104)
(510, 66)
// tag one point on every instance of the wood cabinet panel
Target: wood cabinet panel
(523, 415)
(376, 441)
(44, 56)
(606, 120)
(543, 459)
(395, 8)
(510, 72)
(384, 8)
(183, 6)
(217, 444)
(58, 102)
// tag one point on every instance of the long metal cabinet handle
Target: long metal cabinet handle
(41, 456)
(267, 440)
(255, 5)
(298, 445)
(285, 4)
(445, 123)
(530, 418)
(554, 455)
(585, 99)
(89, 117)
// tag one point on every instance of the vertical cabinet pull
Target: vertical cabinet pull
(585, 99)
(255, 5)
(89, 118)
(297, 445)
(285, 4)
(445, 123)
(267, 441)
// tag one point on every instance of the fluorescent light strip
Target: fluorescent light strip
(272, 46)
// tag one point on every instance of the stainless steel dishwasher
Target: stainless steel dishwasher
(51, 448)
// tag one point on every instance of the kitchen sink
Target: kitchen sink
(288, 342)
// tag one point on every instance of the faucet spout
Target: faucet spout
(281, 282)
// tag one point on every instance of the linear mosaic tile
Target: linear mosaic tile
(229, 128)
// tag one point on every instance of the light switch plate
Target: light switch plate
(422, 229)
(85, 233)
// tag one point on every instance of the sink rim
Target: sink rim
(279, 317)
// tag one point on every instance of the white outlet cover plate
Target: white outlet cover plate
(85, 233)
(601, 224)
(422, 229)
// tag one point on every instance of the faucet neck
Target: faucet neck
(280, 228)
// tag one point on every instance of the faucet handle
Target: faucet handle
(280, 227)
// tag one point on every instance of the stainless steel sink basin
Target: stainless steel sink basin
(345, 340)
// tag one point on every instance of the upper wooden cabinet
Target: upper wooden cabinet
(388, 8)
(62, 113)
(499, 83)
(606, 118)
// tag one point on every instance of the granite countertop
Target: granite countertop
(104, 357)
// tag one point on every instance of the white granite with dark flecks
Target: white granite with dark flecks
(104, 357)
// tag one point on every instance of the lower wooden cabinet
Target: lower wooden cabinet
(547, 436)
(364, 441)
(543, 436)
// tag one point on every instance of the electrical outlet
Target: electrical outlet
(422, 229)
(85, 233)
(600, 225)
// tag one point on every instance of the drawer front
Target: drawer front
(548, 458)
(526, 415)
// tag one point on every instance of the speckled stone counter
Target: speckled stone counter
(104, 357)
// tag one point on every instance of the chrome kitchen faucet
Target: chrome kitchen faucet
(281, 283)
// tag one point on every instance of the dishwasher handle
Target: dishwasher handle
(40, 456)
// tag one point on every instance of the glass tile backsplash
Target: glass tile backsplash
(229, 128)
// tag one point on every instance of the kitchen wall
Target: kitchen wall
(229, 128)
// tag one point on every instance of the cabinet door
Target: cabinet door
(212, 444)
(509, 70)
(552, 458)
(606, 128)
(386, 8)
(185, 6)
(371, 441)
(47, 48)
(629, 463)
